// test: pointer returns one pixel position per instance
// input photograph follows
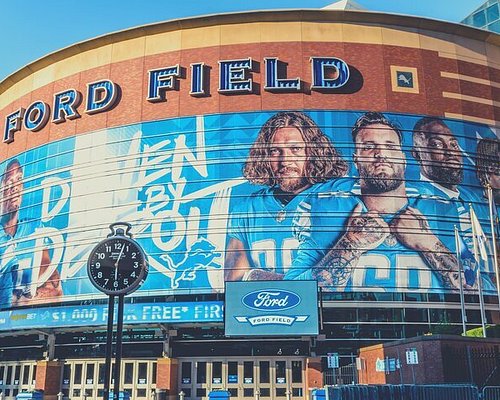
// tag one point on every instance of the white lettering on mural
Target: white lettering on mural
(162, 191)
(51, 185)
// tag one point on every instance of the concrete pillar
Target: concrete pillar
(48, 378)
(167, 373)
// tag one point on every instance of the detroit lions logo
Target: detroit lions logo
(201, 255)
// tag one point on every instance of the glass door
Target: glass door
(84, 379)
(16, 378)
(269, 379)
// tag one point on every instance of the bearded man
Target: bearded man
(386, 243)
(290, 156)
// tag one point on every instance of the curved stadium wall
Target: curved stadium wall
(155, 125)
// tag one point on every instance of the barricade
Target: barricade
(406, 392)
(219, 395)
(491, 393)
(318, 394)
(36, 395)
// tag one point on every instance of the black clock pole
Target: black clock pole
(118, 355)
(109, 346)
(117, 266)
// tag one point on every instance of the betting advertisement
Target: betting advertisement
(356, 201)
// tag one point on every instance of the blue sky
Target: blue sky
(32, 29)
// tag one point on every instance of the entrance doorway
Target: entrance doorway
(84, 379)
(16, 378)
(270, 379)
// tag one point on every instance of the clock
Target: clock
(117, 265)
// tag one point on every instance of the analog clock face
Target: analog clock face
(117, 265)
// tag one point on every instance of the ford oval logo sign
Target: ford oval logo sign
(271, 300)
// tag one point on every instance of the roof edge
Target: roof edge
(307, 15)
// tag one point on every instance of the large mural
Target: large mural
(359, 201)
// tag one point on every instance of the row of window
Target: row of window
(403, 315)
(486, 17)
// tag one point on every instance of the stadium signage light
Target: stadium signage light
(235, 77)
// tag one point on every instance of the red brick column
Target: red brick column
(48, 378)
(370, 356)
(314, 374)
(167, 373)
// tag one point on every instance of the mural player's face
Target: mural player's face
(12, 190)
(288, 159)
(441, 159)
(379, 159)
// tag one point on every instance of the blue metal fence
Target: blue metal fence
(411, 392)
(491, 393)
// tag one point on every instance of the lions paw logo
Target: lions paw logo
(201, 255)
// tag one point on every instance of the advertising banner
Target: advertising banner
(97, 315)
(355, 201)
(271, 308)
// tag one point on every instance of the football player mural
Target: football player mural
(359, 201)
(291, 155)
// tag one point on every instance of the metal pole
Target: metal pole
(109, 346)
(118, 356)
(400, 367)
(462, 299)
(469, 365)
(478, 273)
(494, 240)
(481, 300)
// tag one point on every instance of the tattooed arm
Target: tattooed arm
(413, 231)
(363, 232)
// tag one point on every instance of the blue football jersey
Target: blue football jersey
(445, 210)
(8, 269)
(319, 224)
(27, 249)
(264, 226)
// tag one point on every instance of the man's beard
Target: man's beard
(447, 175)
(289, 182)
(381, 182)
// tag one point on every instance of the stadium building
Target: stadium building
(262, 159)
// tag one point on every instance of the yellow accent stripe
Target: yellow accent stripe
(490, 122)
(468, 78)
(472, 99)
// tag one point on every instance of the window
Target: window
(495, 27)
(297, 371)
(102, 372)
(142, 376)
(77, 380)
(264, 372)
(479, 19)
(186, 373)
(89, 377)
(248, 372)
(217, 372)
(280, 371)
(26, 374)
(416, 315)
(492, 13)
(232, 372)
(201, 373)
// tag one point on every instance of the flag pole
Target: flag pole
(481, 300)
(462, 299)
(478, 271)
(494, 240)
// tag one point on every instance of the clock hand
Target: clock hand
(119, 256)
(117, 261)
